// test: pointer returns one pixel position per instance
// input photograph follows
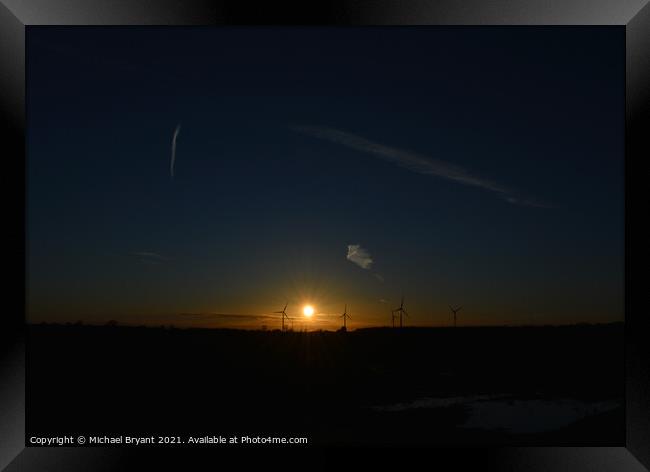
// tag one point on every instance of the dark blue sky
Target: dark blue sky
(273, 179)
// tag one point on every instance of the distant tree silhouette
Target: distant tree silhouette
(111, 323)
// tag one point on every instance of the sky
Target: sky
(207, 176)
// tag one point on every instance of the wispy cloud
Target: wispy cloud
(173, 160)
(359, 256)
(415, 162)
(378, 277)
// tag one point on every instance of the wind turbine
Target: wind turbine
(284, 314)
(345, 316)
(455, 310)
(401, 310)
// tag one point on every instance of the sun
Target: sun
(308, 311)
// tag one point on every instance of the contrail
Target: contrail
(173, 161)
(414, 162)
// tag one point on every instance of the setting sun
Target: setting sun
(308, 311)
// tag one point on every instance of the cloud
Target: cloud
(415, 162)
(173, 160)
(359, 256)
(378, 277)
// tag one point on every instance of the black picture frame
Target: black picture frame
(18, 15)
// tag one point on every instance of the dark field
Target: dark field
(471, 386)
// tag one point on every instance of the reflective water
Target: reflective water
(504, 412)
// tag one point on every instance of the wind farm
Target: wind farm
(310, 319)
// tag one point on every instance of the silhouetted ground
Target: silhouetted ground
(325, 386)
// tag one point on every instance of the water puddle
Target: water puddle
(503, 412)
